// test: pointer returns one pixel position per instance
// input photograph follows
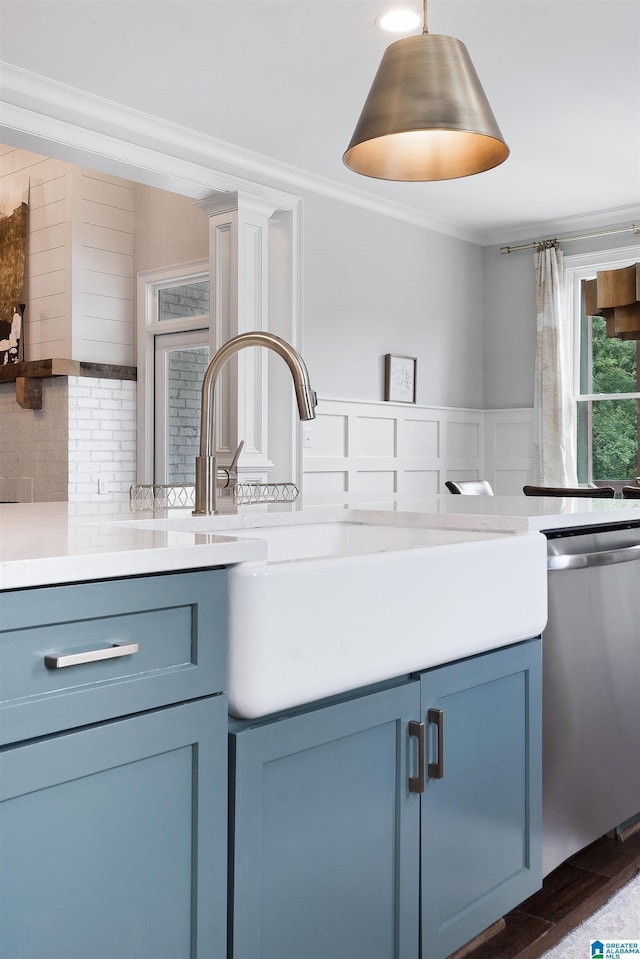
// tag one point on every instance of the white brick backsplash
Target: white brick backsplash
(106, 444)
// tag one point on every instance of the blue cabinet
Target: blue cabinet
(325, 844)
(336, 852)
(395, 823)
(112, 836)
(481, 809)
(113, 772)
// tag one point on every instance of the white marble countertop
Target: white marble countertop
(51, 543)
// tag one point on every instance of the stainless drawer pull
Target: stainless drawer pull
(91, 655)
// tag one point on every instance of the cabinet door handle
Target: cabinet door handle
(416, 783)
(435, 717)
(55, 661)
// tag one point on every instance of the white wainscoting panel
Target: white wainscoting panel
(508, 445)
(389, 447)
(411, 451)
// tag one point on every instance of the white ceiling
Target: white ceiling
(288, 78)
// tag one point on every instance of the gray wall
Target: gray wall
(375, 285)
(510, 329)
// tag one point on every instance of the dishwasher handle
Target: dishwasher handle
(605, 557)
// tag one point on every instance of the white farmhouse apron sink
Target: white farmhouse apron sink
(339, 605)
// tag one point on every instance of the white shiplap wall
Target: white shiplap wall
(79, 271)
(103, 283)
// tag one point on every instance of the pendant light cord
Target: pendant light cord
(425, 28)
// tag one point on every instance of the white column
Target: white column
(239, 273)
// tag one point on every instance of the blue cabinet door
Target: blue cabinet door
(481, 822)
(326, 833)
(113, 839)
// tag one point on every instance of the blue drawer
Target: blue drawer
(151, 641)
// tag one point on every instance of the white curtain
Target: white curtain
(554, 457)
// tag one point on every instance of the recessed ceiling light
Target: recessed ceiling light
(398, 21)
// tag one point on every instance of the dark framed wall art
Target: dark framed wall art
(400, 378)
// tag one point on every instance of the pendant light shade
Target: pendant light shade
(426, 116)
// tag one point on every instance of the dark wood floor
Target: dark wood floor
(570, 894)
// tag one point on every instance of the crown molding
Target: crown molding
(36, 114)
(55, 119)
(602, 219)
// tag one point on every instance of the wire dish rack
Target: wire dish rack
(244, 493)
(158, 496)
(161, 496)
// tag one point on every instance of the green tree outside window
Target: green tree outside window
(614, 433)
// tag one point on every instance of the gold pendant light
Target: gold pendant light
(426, 116)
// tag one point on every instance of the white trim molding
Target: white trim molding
(148, 282)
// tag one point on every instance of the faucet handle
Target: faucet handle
(227, 475)
(236, 457)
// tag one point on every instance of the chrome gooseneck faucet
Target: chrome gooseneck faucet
(206, 470)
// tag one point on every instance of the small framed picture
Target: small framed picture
(400, 378)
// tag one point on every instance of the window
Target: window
(174, 340)
(185, 299)
(608, 390)
(608, 415)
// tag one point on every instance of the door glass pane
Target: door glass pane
(190, 299)
(185, 370)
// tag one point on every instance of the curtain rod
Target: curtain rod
(565, 239)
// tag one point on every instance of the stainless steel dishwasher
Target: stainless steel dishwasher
(591, 687)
